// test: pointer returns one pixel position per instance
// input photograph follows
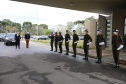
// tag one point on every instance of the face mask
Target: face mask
(84, 32)
(114, 32)
(97, 32)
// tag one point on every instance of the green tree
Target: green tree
(44, 26)
(26, 26)
(69, 27)
(80, 29)
(60, 28)
(79, 22)
(17, 26)
(11, 29)
(3, 26)
(48, 31)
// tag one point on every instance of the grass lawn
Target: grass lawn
(79, 44)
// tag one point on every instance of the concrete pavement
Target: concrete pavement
(38, 65)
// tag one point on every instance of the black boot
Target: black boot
(73, 55)
(97, 61)
(116, 65)
(84, 58)
(66, 53)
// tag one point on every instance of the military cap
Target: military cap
(86, 30)
(66, 30)
(74, 30)
(115, 30)
(99, 30)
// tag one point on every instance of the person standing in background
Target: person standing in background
(27, 39)
(75, 41)
(51, 40)
(17, 40)
(86, 43)
(56, 41)
(117, 42)
(99, 42)
(67, 40)
(60, 42)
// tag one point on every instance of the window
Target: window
(125, 33)
(107, 33)
(96, 27)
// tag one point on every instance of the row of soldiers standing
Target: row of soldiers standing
(116, 42)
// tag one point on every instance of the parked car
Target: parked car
(9, 39)
(2, 35)
(81, 37)
(43, 37)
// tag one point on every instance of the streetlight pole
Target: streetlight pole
(37, 20)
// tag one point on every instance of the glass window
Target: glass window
(125, 21)
(107, 33)
(124, 38)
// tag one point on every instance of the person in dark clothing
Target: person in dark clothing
(67, 40)
(56, 41)
(117, 42)
(75, 41)
(17, 40)
(60, 42)
(51, 41)
(27, 39)
(99, 42)
(86, 43)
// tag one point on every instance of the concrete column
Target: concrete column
(91, 26)
(117, 22)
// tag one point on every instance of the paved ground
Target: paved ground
(38, 65)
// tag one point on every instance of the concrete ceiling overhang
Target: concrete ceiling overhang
(94, 6)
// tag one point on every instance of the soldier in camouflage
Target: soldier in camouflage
(60, 42)
(86, 43)
(99, 42)
(67, 40)
(75, 41)
(56, 41)
(116, 42)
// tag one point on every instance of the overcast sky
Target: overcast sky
(20, 12)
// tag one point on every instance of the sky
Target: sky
(39, 14)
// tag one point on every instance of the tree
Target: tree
(60, 28)
(3, 26)
(69, 27)
(11, 29)
(44, 26)
(27, 26)
(47, 31)
(80, 29)
(17, 26)
(79, 22)
(34, 29)
(89, 18)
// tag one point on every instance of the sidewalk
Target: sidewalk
(106, 54)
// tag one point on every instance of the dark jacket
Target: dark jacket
(67, 37)
(52, 38)
(75, 38)
(87, 38)
(56, 38)
(116, 41)
(99, 39)
(17, 37)
(27, 36)
(60, 37)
